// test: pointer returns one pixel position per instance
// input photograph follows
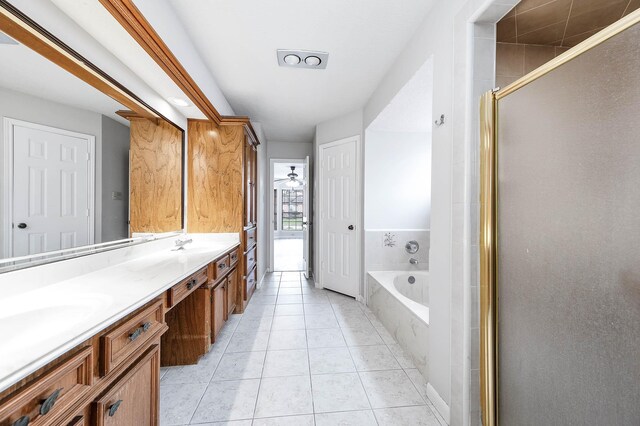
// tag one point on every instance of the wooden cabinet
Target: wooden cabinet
(44, 401)
(232, 291)
(133, 399)
(118, 344)
(222, 190)
(181, 290)
(250, 193)
(219, 311)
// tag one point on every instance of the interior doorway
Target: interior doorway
(289, 207)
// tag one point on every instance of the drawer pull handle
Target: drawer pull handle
(48, 403)
(146, 326)
(133, 336)
(222, 266)
(191, 284)
(251, 260)
(114, 408)
(22, 421)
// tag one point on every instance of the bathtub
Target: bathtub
(403, 308)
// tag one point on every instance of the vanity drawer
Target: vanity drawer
(250, 238)
(250, 260)
(250, 283)
(43, 402)
(234, 256)
(121, 342)
(186, 286)
(220, 267)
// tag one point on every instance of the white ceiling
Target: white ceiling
(410, 110)
(25, 71)
(238, 41)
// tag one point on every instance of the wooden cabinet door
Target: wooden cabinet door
(219, 308)
(133, 399)
(250, 211)
(232, 291)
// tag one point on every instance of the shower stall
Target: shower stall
(560, 239)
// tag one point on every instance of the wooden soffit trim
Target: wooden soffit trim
(134, 22)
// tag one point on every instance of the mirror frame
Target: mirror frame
(23, 29)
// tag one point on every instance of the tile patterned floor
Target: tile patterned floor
(299, 356)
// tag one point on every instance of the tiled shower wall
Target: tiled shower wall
(517, 60)
(384, 250)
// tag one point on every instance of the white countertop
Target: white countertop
(40, 322)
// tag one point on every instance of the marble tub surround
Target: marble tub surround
(307, 364)
(384, 250)
(406, 320)
(49, 309)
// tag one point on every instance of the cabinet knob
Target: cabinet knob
(22, 225)
(114, 408)
(133, 336)
(191, 284)
(222, 266)
(48, 403)
(22, 421)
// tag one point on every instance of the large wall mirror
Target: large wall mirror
(83, 161)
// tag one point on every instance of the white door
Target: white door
(339, 195)
(51, 206)
(306, 223)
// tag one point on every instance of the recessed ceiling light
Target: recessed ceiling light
(313, 61)
(292, 59)
(179, 102)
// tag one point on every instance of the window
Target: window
(292, 209)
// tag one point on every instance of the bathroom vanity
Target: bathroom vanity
(99, 363)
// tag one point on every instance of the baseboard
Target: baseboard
(438, 402)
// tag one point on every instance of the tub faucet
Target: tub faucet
(413, 261)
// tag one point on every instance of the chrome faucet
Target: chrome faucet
(181, 243)
(413, 261)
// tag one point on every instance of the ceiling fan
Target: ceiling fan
(292, 179)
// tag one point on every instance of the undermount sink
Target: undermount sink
(27, 323)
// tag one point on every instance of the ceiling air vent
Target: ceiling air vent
(302, 59)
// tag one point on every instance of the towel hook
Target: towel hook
(440, 122)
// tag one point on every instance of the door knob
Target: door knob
(22, 225)
(350, 227)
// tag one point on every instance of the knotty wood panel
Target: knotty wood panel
(156, 176)
(215, 177)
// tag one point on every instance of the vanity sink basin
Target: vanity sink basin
(25, 324)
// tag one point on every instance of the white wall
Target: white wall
(289, 150)
(397, 180)
(116, 141)
(460, 36)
